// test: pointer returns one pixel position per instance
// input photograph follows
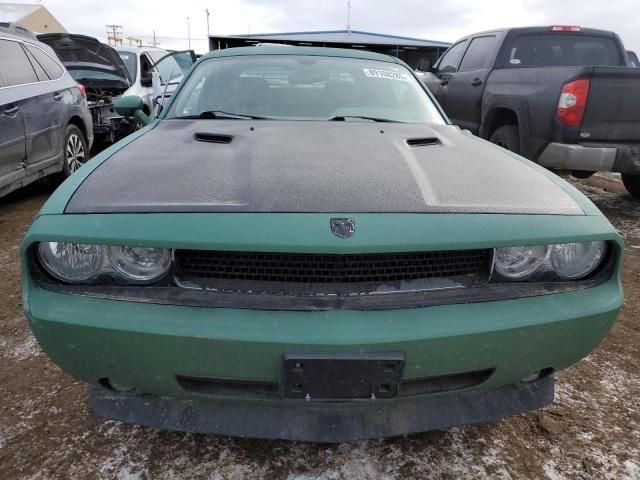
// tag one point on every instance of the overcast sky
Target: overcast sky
(444, 20)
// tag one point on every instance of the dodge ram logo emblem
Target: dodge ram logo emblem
(343, 227)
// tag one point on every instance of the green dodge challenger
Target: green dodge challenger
(301, 246)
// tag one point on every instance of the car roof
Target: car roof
(20, 34)
(307, 51)
(16, 32)
(539, 29)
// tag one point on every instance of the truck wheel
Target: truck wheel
(507, 136)
(632, 184)
(75, 150)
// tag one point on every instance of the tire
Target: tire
(632, 184)
(74, 151)
(507, 136)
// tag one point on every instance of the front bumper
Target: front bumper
(149, 346)
(324, 422)
(620, 158)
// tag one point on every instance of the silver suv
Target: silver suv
(45, 124)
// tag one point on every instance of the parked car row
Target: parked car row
(57, 94)
(100, 70)
(563, 96)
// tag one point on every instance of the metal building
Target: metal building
(408, 49)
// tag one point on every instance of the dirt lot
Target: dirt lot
(591, 431)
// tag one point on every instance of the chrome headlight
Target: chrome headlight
(82, 263)
(141, 264)
(567, 261)
(520, 262)
(576, 260)
(71, 262)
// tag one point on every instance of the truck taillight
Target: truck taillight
(83, 91)
(572, 103)
(565, 28)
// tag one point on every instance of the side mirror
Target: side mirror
(158, 104)
(425, 64)
(132, 106)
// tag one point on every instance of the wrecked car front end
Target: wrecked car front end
(100, 70)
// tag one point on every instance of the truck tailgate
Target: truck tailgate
(613, 107)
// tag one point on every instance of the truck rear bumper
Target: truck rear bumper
(323, 421)
(593, 158)
(577, 157)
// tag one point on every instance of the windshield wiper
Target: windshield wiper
(342, 118)
(221, 114)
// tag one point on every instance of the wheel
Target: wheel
(507, 136)
(632, 184)
(75, 150)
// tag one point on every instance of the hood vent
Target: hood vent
(213, 138)
(422, 142)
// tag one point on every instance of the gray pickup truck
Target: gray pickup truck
(562, 96)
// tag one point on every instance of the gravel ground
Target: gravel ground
(592, 430)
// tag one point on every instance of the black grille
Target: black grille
(322, 269)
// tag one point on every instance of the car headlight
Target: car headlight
(142, 264)
(576, 260)
(71, 262)
(520, 262)
(567, 261)
(82, 263)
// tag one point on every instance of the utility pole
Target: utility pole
(349, 17)
(114, 34)
(155, 42)
(189, 32)
(206, 10)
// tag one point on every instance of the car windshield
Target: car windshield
(130, 61)
(296, 87)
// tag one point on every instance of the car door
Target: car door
(145, 79)
(15, 75)
(45, 112)
(173, 67)
(437, 81)
(466, 85)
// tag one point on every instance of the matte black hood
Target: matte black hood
(310, 166)
(79, 52)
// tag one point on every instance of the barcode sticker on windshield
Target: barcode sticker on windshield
(390, 74)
